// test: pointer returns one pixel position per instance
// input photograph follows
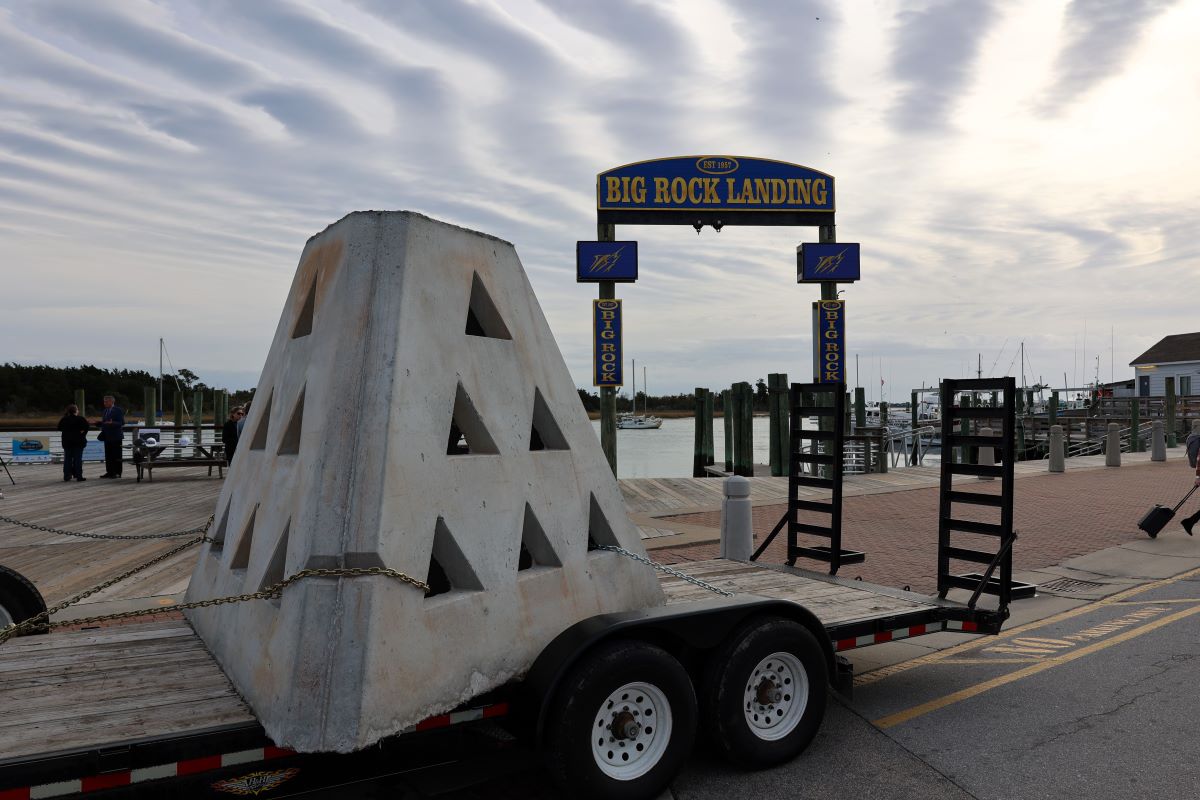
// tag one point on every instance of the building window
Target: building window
(1185, 385)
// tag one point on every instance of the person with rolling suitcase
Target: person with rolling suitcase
(1193, 453)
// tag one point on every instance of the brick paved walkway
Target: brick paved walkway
(1057, 517)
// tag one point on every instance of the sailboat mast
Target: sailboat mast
(633, 397)
(160, 354)
(645, 391)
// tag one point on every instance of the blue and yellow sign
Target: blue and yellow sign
(827, 262)
(829, 341)
(724, 183)
(606, 343)
(606, 261)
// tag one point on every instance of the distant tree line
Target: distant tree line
(41, 389)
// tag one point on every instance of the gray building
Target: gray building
(1175, 357)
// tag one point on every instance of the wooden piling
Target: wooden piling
(149, 396)
(1135, 420)
(743, 432)
(727, 418)
(1169, 411)
(777, 387)
(860, 407)
(197, 407)
(1052, 409)
(178, 410)
(708, 428)
(80, 397)
(698, 445)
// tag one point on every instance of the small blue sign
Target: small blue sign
(827, 262)
(725, 183)
(606, 343)
(606, 261)
(829, 341)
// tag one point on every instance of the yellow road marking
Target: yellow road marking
(982, 641)
(960, 661)
(979, 688)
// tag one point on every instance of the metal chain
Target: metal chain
(41, 621)
(47, 529)
(664, 568)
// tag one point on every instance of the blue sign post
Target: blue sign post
(829, 341)
(816, 263)
(606, 343)
(606, 261)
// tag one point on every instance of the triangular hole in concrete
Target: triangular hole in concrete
(241, 556)
(600, 533)
(290, 444)
(449, 569)
(545, 433)
(218, 537)
(468, 435)
(259, 442)
(304, 320)
(482, 317)
(536, 550)
(278, 563)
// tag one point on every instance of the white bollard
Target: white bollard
(1058, 457)
(1158, 441)
(987, 455)
(1112, 446)
(737, 527)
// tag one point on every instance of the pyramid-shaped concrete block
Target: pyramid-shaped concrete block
(414, 414)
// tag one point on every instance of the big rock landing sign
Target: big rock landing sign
(726, 190)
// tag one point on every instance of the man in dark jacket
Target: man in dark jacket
(1193, 455)
(230, 432)
(73, 428)
(112, 432)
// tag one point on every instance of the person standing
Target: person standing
(1193, 454)
(112, 433)
(73, 428)
(230, 431)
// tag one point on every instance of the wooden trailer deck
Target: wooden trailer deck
(91, 688)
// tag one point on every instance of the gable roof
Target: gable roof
(1180, 347)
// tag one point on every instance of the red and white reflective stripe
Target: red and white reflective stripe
(885, 636)
(965, 627)
(109, 780)
(458, 717)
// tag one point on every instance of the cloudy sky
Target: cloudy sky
(1017, 171)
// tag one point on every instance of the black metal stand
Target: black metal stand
(804, 454)
(6, 472)
(952, 465)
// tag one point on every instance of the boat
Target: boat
(633, 421)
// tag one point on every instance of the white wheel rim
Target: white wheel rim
(775, 696)
(631, 731)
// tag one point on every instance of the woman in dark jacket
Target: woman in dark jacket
(74, 430)
(229, 433)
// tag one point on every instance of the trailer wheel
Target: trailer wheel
(621, 723)
(19, 599)
(764, 693)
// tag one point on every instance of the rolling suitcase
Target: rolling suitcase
(1157, 518)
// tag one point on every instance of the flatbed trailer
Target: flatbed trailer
(143, 710)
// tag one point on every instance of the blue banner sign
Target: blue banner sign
(606, 261)
(30, 449)
(606, 343)
(827, 262)
(725, 183)
(829, 341)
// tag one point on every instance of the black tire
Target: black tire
(579, 716)
(757, 725)
(19, 599)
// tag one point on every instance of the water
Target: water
(667, 451)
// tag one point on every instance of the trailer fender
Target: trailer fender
(19, 599)
(700, 625)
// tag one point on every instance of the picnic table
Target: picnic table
(169, 454)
